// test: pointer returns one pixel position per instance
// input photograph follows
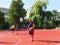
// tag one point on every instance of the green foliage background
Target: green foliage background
(38, 13)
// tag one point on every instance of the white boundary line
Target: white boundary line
(58, 44)
(19, 41)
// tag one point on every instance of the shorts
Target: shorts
(12, 29)
(31, 32)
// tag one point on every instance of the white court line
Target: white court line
(19, 41)
(58, 44)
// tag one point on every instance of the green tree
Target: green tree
(16, 11)
(56, 14)
(37, 13)
(2, 19)
(49, 19)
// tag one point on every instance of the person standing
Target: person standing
(31, 29)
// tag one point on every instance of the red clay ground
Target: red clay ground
(41, 37)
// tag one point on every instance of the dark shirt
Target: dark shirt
(30, 24)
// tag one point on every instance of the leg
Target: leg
(32, 37)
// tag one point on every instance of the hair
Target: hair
(31, 21)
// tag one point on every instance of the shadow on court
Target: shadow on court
(48, 41)
(7, 42)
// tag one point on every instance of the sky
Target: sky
(53, 4)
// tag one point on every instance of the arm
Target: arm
(32, 27)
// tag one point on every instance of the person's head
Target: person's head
(31, 20)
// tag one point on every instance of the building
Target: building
(5, 10)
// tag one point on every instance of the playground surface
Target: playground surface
(41, 37)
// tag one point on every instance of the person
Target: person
(13, 28)
(31, 29)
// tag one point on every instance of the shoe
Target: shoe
(32, 40)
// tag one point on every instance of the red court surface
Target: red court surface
(41, 37)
